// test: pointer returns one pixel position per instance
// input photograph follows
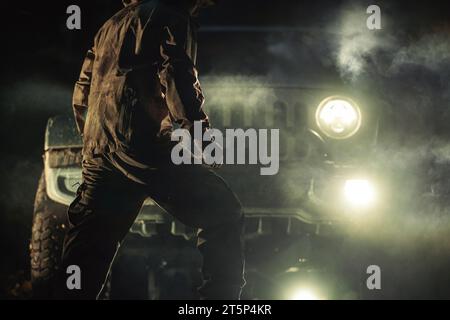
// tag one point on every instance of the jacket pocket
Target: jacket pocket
(128, 102)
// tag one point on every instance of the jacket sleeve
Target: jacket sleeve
(179, 77)
(82, 89)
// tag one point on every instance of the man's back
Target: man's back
(140, 72)
(138, 56)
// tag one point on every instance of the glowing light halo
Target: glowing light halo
(338, 117)
(359, 192)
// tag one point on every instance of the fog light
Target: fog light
(304, 294)
(359, 193)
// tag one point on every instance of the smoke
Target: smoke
(356, 44)
(387, 52)
(406, 65)
(229, 91)
(431, 51)
(26, 105)
(420, 60)
(406, 69)
(36, 94)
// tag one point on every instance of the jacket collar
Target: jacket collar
(127, 3)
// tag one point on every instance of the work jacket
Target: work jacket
(139, 79)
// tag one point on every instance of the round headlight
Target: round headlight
(338, 117)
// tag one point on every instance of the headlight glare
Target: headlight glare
(304, 294)
(359, 193)
(338, 117)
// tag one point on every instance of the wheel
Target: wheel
(48, 231)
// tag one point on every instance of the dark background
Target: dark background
(41, 60)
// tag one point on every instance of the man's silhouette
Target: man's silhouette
(138, 80)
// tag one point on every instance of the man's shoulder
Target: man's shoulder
(164, 12)
(155, 10)
(159, 12)
(114, 22)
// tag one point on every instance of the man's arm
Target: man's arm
(81, 91)
(179, 77)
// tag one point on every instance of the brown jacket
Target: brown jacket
(138, 79)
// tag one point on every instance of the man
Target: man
(136, 82)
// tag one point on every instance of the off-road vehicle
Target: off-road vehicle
(328, 132)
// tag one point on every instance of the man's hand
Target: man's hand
(199, 147)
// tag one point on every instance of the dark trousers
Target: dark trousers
(109, 199)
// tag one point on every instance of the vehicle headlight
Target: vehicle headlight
(359, 193)
(62, 183)
(338, 117)
(304, 294)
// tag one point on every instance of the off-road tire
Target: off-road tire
(48, 231)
